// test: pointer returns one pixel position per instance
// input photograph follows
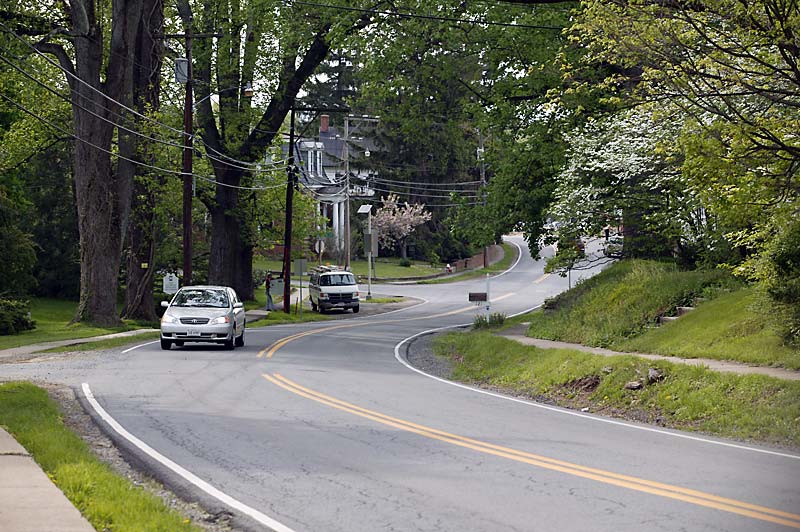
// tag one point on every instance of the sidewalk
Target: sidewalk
(29, 501)
(517, 334)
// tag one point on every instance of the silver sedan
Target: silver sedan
(203, 314)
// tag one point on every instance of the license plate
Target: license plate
(193, 332)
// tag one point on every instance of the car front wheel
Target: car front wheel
(240, 339)
(166, 344)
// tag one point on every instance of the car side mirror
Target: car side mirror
(238, 304)
(165, 304)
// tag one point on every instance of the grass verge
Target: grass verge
(748, 407)
(383, 300)
(108, 501)
(53, 318)
(105, 344)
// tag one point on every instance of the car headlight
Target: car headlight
(169, 318)
(220, 320)
(355, 295)
(323, 295)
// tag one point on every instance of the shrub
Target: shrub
(15, 317)
(493, 321)
(405, 263)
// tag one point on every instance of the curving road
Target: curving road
(322, 427)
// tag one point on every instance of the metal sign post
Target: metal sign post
(300, 266)
(369, 244)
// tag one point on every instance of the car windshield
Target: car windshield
(339, 279)
(201, 298)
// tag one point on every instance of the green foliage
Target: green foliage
(405, 263)
(622, 301)
(751, 407)
(108, 501)
(18, 250)
(492, 321)
(723, 64)
(783, 285)
(15, 317)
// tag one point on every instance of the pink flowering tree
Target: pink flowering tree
(394, 222)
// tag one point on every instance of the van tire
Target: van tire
(355, 309)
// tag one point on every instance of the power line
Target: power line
(117, 103)
(118, 156)
(425, 17)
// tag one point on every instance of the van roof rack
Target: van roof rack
(327, 268)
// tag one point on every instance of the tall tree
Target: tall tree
(142, 228)
(281, 44)
(97, 61)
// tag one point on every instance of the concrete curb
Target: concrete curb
(29, 501)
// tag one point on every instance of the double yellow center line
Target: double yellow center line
(607, 477)
(270, 350)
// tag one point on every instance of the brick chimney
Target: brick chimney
(324, 122)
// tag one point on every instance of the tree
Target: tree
(394, 222)
(281, 44)
(731, 66)
(97, 61)
(141, 233)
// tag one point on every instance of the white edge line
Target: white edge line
(138, 346)
(519, 258)
(570, 412)
(180, 471)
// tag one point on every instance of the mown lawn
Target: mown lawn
(53, 318)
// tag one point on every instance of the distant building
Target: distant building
(321, 162)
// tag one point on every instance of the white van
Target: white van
(330, 288)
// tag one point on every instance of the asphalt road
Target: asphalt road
(322, 427)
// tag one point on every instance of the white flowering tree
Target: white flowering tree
(394, 222)
(624, 171)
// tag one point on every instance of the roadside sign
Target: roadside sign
(478, 297)
(170, 283)
(276, 286)
(300, 266)
(319, 247)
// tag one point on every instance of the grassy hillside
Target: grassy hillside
(619, 308)
(730, 327)
(622, 301)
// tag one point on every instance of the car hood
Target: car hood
(197, 312)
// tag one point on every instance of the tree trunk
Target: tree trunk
(141, 234)
(139, 302)
(102, 193)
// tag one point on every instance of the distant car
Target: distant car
(203, 314)
(333, 289)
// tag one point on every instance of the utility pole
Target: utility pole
(287, 235)
(188, 132)
(347, 192)
(291, 182)
(346, 156)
